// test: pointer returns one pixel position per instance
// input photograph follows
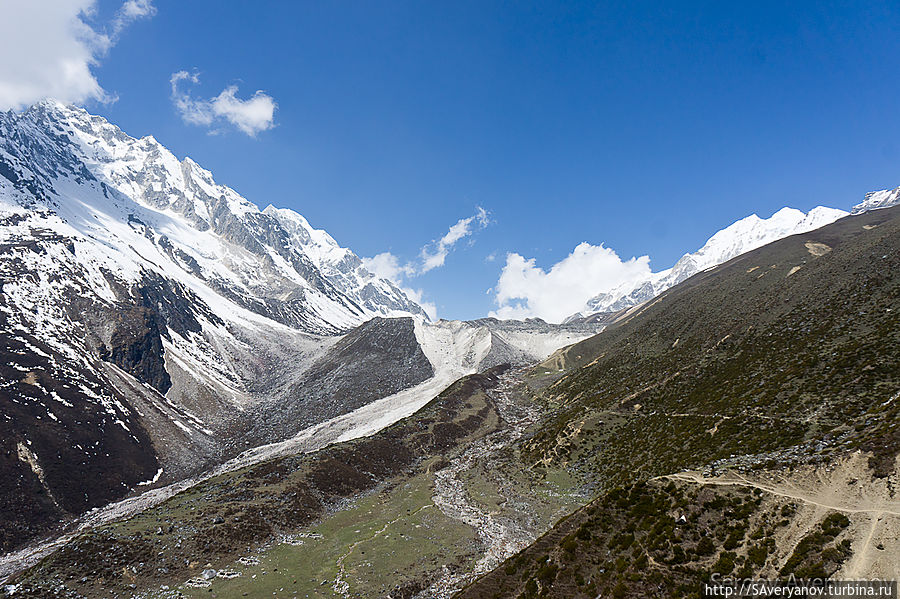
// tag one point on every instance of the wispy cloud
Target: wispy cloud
(251, 116)
(431, 256)
(387, 265)
(525, 290)
(51, 48)
(130, 12)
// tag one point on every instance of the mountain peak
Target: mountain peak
(98, 182)
(875, 200)
(737, 238)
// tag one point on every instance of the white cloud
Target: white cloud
(50, 49)
(386, 265)
(525, 290)
(130, 12)
(432, 256)
(255, 114)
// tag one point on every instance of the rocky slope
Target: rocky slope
(771, 379)
(145, 309)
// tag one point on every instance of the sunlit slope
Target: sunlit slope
(775, 379)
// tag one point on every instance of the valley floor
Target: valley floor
(428, 535)
(473, 515)
(360, 422)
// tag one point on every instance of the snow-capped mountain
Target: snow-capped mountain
(147, 314)
(878, 199)
(154, 324)
(143, 211)
(742, 236)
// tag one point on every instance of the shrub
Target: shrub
(705, 546)
(725, 563)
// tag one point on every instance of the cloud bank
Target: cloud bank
(431, 256)
(525, 290)
(250, 116)
(50, 49)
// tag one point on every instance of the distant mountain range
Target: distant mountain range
(738, 238)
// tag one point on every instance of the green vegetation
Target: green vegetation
(659, 539)
(225, 517)
(381, 543)
(738, 367)
(818, 554)
(743, 368)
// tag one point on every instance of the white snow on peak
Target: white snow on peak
(135, 208)
(752, 232)
(878, 199)
(740, 237)
(321, 247)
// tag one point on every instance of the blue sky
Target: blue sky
(642, 126)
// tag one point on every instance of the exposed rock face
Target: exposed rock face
(377, 359)
(68, 441)
(136, 347)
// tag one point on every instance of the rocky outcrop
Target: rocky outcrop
(377, 359)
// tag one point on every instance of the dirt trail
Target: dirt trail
(792, 492)
(856, 567)
(845, 486)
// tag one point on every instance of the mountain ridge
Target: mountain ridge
(753, 406)
(148, 315)
(737, 238)
(90, 173)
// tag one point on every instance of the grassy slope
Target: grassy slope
(780, 356)
(763, 356)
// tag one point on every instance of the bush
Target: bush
(583, 534)
(705, 546)
(725, 564)
(734, 539)
(834, 524)
(547, 574)
(757, 554)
